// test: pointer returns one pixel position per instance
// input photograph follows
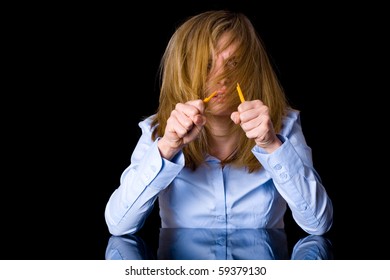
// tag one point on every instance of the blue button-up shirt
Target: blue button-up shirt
(222, 197)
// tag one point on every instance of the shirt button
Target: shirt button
(277, 167)
(221, 241)
(284, 175)
(220, 218)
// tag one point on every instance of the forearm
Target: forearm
(127, 210)
(310, 205)
(140, 184)
(299, 184)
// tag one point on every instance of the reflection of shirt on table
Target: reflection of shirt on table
(220, 244)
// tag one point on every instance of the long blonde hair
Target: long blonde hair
(184, 71)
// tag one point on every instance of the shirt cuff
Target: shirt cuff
(282, 164)
(157, 171)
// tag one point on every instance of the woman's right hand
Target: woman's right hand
(183, 126)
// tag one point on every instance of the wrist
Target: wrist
(166, 150)
(271, 146)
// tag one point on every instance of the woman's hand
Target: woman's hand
(183, 126)
(254, 118)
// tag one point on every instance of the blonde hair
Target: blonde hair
(184, 72)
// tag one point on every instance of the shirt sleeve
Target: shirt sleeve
(140, 183)
(291, 168)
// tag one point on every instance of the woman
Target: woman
(220, 162)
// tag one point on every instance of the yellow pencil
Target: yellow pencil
(240, 93)
(207, 99)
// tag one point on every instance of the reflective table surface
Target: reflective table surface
(219, 244)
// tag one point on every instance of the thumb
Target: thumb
(235, 116)
(199, 120)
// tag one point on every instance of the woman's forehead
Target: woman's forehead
(225, 44)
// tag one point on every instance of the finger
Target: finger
(259, 132)
(250, 120)
(199, 104)
(199, 120)
(186, 116)
(179, 123)
(259, 114)
(235, 117)
(192, 134)
(195, 111)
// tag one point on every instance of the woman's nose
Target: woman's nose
(219, 70)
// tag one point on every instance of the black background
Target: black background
(79, 78)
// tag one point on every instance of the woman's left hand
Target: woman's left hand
(254, 118)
